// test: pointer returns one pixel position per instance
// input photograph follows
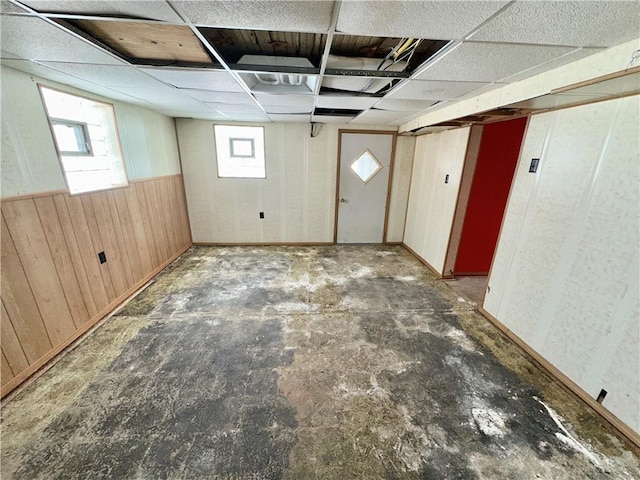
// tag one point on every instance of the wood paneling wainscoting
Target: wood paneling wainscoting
(54, 287)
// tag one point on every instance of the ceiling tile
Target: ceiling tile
(201, 79)
(8, 7)
(107, 75)
(228, 108)
(35, 39)
(33, 68)
(436, 20)
(204, 115)
(292, 16)
(576, 23)
(488, 62)
(248, 117)
(558, 62)
(404, 105)
(288, 109)
(403, 120)
(331, 119)
(345, 101)
(290, 118)
(376, 117)
(432, 90)
(4, 54)
(164, 97)
(61, 77)
(285, 100)
(219, 97)
(148, 9)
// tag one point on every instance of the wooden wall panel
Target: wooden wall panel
(20, 302)
(11, 344)
(76, 228)
(139, 232)
(73, 245)
(5, 370)
(33, 250)
(96, 242)
(53, 285)
(62, 259)
(148, 224)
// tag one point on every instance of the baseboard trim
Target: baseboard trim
(609, 417)
(262, 244)
(79, 334)
(438, 275)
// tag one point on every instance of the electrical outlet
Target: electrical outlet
(533, 168)
(603, 393)
(261, 214)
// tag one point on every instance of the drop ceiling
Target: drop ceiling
(360, 62)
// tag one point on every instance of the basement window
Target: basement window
(86, 139)
(240, 151)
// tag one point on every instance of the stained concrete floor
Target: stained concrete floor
(302, 363)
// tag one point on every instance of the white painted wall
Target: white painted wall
(402, 167)
(565, 275)
(29, 160)
(432, 202)
(297, 197)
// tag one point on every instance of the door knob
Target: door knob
(342, 200)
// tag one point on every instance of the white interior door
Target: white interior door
(365, 160)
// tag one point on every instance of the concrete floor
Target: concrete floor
(471, 287)
(302, 363)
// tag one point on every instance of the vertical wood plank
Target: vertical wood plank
(121, 245)
(62, 259)
(155, 216)
(128, 230)
(81, 232)
(11, 345)
(137, 223)
(104, 225)
(152, 241)
(170, 212)
(74, 252)
(33, 250)
(20, 302)
(175, 210)
(5, 370)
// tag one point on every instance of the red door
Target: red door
(496, 164)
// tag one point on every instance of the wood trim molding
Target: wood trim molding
(27, 196)
(48, 193)
(609, 417)
(79, 334)
(392, 163)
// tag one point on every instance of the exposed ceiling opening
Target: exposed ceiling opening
(146, 43)
(337, 112)
(232, 44)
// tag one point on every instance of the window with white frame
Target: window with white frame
(240, 151)
(87, 141)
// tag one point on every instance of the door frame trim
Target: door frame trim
(394, 136)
